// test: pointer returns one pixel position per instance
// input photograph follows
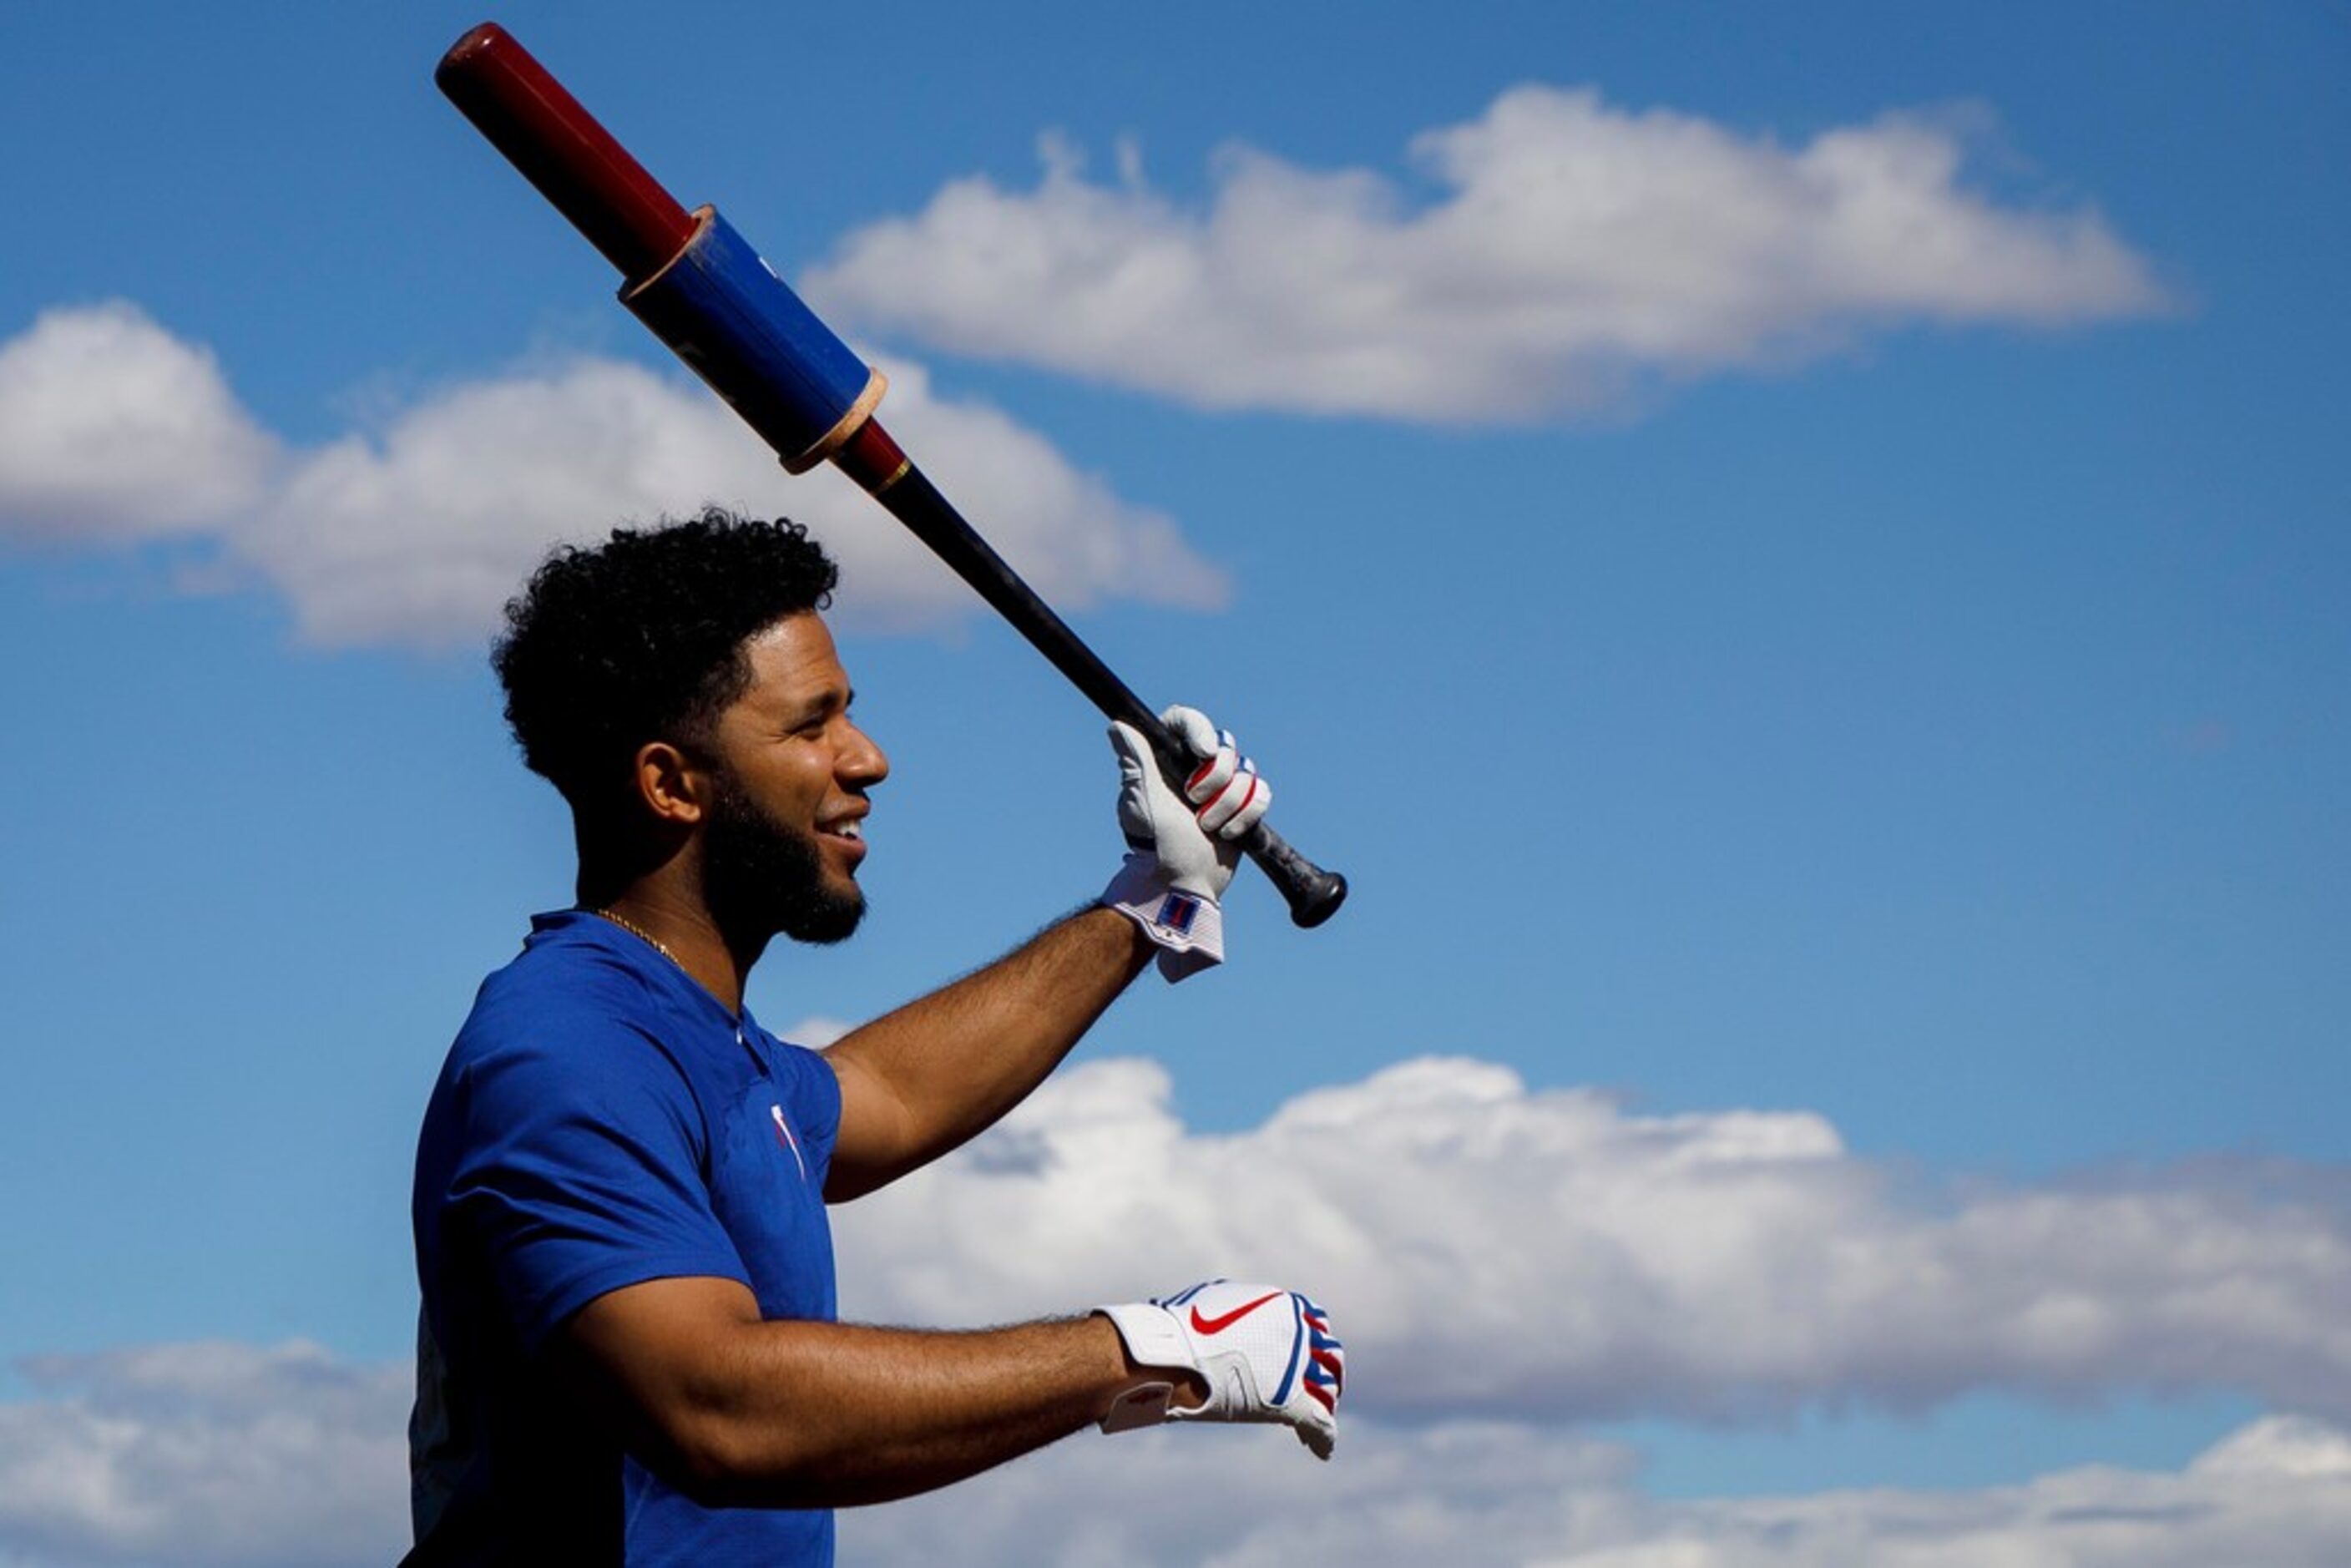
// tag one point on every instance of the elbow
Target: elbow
(737, 1465)
(701, 1392)
(701, 1459)
(847, 1182)
(717, 1458)
(693, 1452)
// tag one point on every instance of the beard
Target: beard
(762, 876)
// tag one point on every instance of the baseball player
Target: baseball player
(629, 1349)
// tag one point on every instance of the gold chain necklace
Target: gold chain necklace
(633, 929)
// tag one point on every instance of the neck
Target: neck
(677, 921)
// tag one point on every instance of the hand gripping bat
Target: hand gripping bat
(703, 292)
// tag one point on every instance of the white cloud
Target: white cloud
(1503, 1266)
(110, 428)
(2281, 1446)
(816, 1031)
(209, 1453)
(417, 531)
(1578, 251)
(1491, 1495)
(1486, 1250)
(202, 1454)
(1503, 1263)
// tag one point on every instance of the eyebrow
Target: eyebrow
(831, 700)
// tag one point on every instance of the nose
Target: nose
(861, 762)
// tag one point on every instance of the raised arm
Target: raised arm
(920, 1080)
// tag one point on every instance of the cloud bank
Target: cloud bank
(1504, 1496)
(414, 532)
(203, 1454)
(1489, 1250)
(1504, 1263)
(1577, 253)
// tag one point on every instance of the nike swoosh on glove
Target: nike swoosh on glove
(1267, 1355)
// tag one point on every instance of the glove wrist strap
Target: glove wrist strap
(1153, 1339)
(1190, 927)
(1144, 1405)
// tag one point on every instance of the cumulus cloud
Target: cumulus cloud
(1491, 1250)
(200, 1454)
(1505, 1264)
(111, 429)
(1577, 251)
(415, 530)
(1508, 1496)
(209, 1453)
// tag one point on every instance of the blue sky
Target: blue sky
(1797, 559)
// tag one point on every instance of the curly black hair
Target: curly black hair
(640, 638)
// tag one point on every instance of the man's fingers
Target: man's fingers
(1325, 1378)
(1215, 771)
(1194, 729)
(1234, 808)
(1225, 788)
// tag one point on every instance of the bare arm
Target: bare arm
(917, 1081)
(736, 1412)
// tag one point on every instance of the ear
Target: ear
(673, 787)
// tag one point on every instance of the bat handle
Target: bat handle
(881, 466)
(1312, 893)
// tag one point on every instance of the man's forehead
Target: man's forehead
(794, 660)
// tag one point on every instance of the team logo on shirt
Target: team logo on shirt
(784, 1136)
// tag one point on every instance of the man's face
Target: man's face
(785, 827)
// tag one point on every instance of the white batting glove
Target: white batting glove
(1267, 1355)
(1187, 846)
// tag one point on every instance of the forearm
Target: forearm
(926, 1078)
(822, 1415)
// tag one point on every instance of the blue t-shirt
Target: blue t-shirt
(601, 1121)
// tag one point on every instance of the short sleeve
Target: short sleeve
(583, 1170)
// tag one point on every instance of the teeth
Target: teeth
(848, 830)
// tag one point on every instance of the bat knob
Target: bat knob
(1312, 893)
(1318, 899)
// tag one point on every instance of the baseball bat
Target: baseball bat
(708, 295)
